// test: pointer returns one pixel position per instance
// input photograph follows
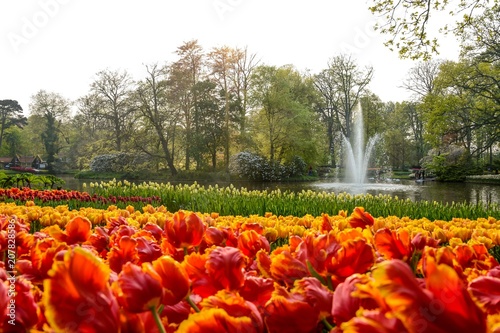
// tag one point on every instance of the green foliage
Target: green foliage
(450, 163)
(232, 201)
(29, 180)
(495, 252)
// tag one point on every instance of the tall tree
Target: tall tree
(54, 110)
(406, 23)
(245, 64)
(113, 88)
(341, 85)
(210, 134)
(284, 118)
(11, 114)
(184, 74)
(222, 62)
(154, 108)
(420, 78)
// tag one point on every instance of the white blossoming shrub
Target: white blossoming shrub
(120, 162)
(251, 166)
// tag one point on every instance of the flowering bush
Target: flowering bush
(120, 162)
(121, 270)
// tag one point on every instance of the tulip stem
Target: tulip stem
(185, 251)
(158, 322)
(193, 305)
(328, 326)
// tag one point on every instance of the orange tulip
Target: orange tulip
(78, 230)
(285, 268)
(77, 296)
(216, 320)
(355, 256)
(486, 291)
(125, 251)
(360, 218)
(443, 306)
(345, 305)
(19, 312)
(235, 306)
(174, 279)
(138, 288)
(393, 244)
(287, 313)
(184, 229)
(225, 266)
(374, 321)
(250, 242)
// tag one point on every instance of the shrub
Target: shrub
(257, 168)
(120, 162)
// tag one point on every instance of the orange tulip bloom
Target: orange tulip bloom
(184, 229)
(393, 244)
(257, 290)
(77, 297)
(25, 315)
(125, 251)
(286, 313)
(374, 321)
(216, 320)
(443, 306)
(355, 256)
(345, 305)
(250, 242)
(78, 230)
(285, 268)
(174, 279)
(235, 306)
(37, 266)
(225, 266)
(201, 282)
(316, 294)
(360, 218)
(486, 291)
(138, 288)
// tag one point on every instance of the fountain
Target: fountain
(357, 157)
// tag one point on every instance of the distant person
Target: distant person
(310, 172)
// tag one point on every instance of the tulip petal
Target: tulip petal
(77, 297)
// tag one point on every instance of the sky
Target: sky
(60, 45)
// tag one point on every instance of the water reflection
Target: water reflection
(403, 189)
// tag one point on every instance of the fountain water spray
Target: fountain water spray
(357, 155)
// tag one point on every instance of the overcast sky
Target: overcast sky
(59, 45)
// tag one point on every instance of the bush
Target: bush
(451, 163)
(297, 167)
(120, 162)
(251, 166)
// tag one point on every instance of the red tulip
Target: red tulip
(184, 229)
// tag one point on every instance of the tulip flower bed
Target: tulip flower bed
(233, 201)
(155, 270)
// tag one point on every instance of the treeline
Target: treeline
(201, 110)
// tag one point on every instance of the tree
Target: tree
(210, 134)
(11, 114)
(406, 23)
(481, 38)
(341, 86)
(222, 62)
(113, 89)
(183, 75)
(154, 108)
(420, 79)
(54, 110)
(284, 119)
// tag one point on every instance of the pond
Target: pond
(404, 189)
